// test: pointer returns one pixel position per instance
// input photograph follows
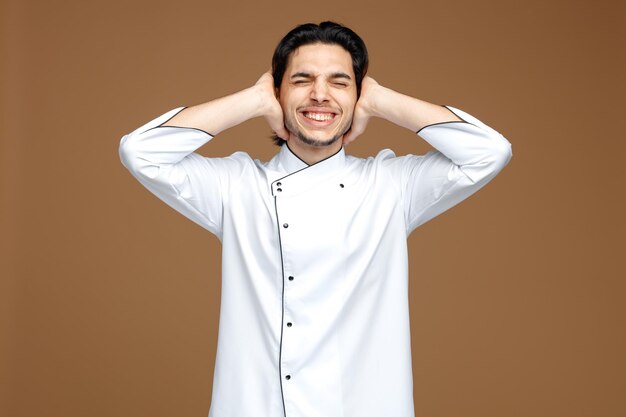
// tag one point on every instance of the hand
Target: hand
(272, 112)
(363, 110)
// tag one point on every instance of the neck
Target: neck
(313, 154)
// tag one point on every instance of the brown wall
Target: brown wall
(109, 299)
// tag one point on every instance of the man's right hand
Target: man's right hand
(272, 112)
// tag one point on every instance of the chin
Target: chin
(318, 142)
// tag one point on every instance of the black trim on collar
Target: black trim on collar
(310, 165)
(307, 165)
(294, 154)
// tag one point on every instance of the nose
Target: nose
(319, 91)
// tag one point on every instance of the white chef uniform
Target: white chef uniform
(314, 318)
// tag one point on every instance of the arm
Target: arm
(400, 109)
(161, 154)
(223, 113)
(468, 152)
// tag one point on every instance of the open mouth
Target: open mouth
(317, 116)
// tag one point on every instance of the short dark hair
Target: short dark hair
(330, 33)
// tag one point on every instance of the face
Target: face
(318, 94)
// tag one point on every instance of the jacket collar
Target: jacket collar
(297, 175)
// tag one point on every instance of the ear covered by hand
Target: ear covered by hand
(363, 110)
(272, 112)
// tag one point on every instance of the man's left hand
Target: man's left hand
(363, 110)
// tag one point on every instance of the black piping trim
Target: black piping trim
(185, 127)
(294, 154)
(174, 115)
(179, 127)
(308, 166)
(282, 318)
(443, 123)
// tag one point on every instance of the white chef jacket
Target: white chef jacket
(314, 318)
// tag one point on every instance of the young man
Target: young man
(314, 319)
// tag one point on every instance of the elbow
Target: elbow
(126, 151)
(493, 160)
(129, 154)
(501, 154)
(133, 156)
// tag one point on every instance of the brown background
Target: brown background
(109, 299)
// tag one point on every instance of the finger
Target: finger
(350, 136)
(358, 127)
(278, 127)
(282, 133)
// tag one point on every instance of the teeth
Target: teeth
(319, 116)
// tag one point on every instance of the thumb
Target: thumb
(281, 132)
(358, 127)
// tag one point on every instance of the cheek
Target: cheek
(349, 106)
(288, 101)
(349, 101)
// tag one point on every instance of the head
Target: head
(327, 34)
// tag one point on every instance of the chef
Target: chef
(314, 318)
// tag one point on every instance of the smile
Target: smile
(321, 117)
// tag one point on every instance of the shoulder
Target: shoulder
(380, 158)
(237, 159)
(232, 166)
(386, 159)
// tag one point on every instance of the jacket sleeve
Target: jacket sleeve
(163, 160)
(467, 155)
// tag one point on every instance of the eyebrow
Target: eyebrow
(302, 74)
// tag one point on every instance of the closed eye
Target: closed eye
(341, 79)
